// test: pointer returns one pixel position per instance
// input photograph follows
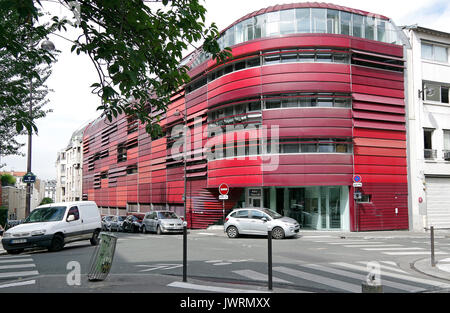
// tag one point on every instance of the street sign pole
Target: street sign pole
(223, 195)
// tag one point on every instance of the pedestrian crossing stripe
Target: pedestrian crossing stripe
(17, 267)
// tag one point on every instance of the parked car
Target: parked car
(256, 221)
(106, 222)
(117, 223)
(53, 225)
(162, 222)
(132, 224)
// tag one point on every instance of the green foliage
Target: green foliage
(24, 68)
(136, 47)
(46, 200)
(7, 180)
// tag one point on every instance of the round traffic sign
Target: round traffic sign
(223, 189)
(357, 178)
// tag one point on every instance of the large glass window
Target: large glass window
(381, 30)
(287, 22)
(303, 17)
(358, 25)
(318, 20)
(369, 26)
(346, 23)
(333, 21)
(273, 23)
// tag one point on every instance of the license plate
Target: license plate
(18, 241)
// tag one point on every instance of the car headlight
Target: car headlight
(38, 232)
(7, 235)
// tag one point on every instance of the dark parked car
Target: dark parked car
(117, 223)
(132, 223)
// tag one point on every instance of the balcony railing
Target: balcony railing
(430, 154)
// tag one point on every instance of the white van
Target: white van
(53, 225)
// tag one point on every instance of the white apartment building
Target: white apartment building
(69, 169)
(428, 127)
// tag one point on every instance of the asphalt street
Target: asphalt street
(312, 262)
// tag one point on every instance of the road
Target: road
(151, 263)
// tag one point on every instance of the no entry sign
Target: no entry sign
(223, 189)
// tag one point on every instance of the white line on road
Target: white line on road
(7, 267)
(23, 283)
(16, 260)
(367, 246)
(394, 275)
(319, 279)
(18, 274)
(350, 242)
(362, 277)
(258, 276)
(415, 252)
(178, 284)
(392, 249)
(389, 268)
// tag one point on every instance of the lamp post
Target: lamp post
(49, 46)
(178, 113)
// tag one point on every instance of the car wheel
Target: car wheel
(95, 238)
(57, 243)
(232, 232)
(277, 233)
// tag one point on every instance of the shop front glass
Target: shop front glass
(316, 207)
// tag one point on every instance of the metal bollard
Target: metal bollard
(433, 262)
(269, 256)
(184, 251)
(102, 258)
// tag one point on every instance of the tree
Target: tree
(7, 180)
(136, 49)
(46, 200)
(24, 69)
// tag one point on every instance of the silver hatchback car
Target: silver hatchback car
(162, 222)
(256, 221)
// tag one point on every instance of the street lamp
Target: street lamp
(178, 113)
(49, 46)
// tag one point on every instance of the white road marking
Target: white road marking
(23, 283)
(392, 249)
(414, 253)
(399, 276)
(6, 267)
(18, 274)
(319, 279)
(258, 276)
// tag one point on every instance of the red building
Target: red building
(313, 96)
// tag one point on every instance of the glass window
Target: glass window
(273, 23)
(46, 214)
(369, 24)
(444, 94)
(308, 147)
(306, 57)
(287, 22)
(324, 57)
(273, 104)
(346, 19)
(74, 211)
(318, 19)
(289, 103)
(257, 214)
(239, 33)
(229, 37)
(303, 17)
(332, 21)
(432, 92)
(253, 62)
(447, 140)
(440, 54)
(248, 29)
(258, 22)
(381, 30)
(290, 148)
(358, 29)
(254, 106)
(272, 58)
(242, 214)
(326, 147)
(325, 102)
(427, 51)
(288, 57)
(239, 66)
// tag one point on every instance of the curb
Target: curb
(423, 266)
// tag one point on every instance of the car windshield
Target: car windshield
(121, 218)
(166, 215)
(272, 214)
(46, 214)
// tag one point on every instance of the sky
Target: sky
(73, 105)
